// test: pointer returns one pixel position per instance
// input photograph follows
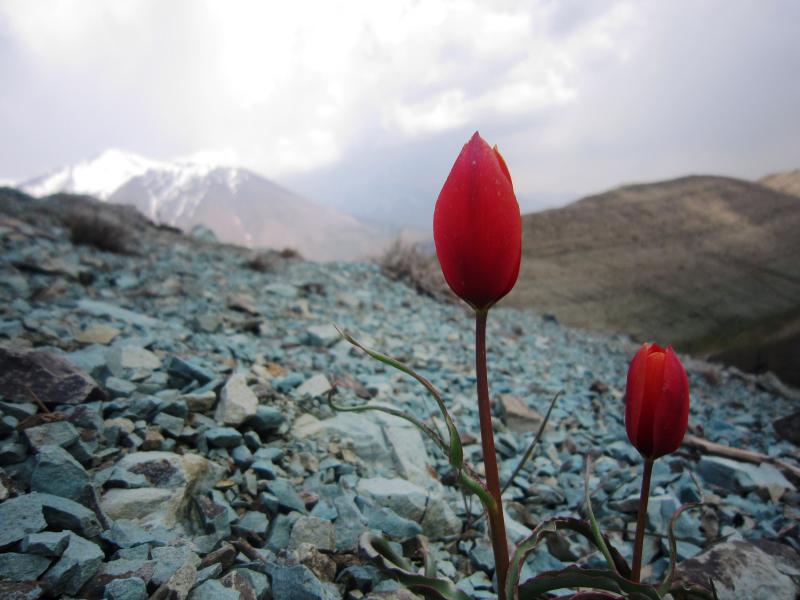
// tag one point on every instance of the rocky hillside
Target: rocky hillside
(164, 430)
(708, 264)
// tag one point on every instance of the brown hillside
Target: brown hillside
(708, 264)
(787, 182)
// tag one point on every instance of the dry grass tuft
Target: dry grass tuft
(89, 227)
(408, 263)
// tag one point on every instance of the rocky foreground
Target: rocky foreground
(164, 430)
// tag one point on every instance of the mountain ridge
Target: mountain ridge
(239, 205)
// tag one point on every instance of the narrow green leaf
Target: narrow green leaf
(421, 425)
(596, 532)
(573, 577)
(377, 550)
(456, 452)
(673, 546)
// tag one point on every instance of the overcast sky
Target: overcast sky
(365, 104)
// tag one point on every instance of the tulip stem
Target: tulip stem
(497, 524)
(644, 498)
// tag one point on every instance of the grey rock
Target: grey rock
(129, 588)
(119, 387)
(79, 562)
(387, 521)
(53, 379)
(58, 433)
(213, 590)
(18, 518)
(170, 559)
(56, 472)
(316, 386)
(104, 309)
(124, 361)
(403, 497)
(740, 569)
(125, 533)
(237, 401)
(223, 437)
(46, 543)
(12, 452)
(266, 419)
(12, 590)
(22, 567)
(322, 335)
(315, 531)
(255, 522)
(299, 583)
(288, 500)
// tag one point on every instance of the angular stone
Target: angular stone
(129, 588)
(46, 543)
(312, 530)
(223, 437)
(214, 590)
(237, 401)
(63, 513)
(322, 335)
(299, 582)
(53, 379)
(788, 428)
(80, 561)
(124, 360)
(56, 472)
(22, 567)
(104, 309)
(175, 479)
(288, 499)
(316, 386)
(403, 497)
(29, 590)
(761, 570)
(18, 518)
(57, 433)
(517, 416)
(97, 334)
(266, 419)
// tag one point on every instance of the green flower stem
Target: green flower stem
(644, 498)
(497, 524)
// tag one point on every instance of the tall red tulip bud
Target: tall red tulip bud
(477, 226)
(656, 401)
(656, 416)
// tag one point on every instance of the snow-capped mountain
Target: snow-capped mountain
(240, 206)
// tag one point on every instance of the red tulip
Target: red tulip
(656, 401)
(477, 227)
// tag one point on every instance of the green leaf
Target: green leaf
(421, 425)
(673, 547)
(378, 551)
(596, 532)
(455, 452)
(594, 579)
(550, 526)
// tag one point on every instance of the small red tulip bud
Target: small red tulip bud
(656, 401)
(477, 226)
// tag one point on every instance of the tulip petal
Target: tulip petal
(634, 393)
(672, 413)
